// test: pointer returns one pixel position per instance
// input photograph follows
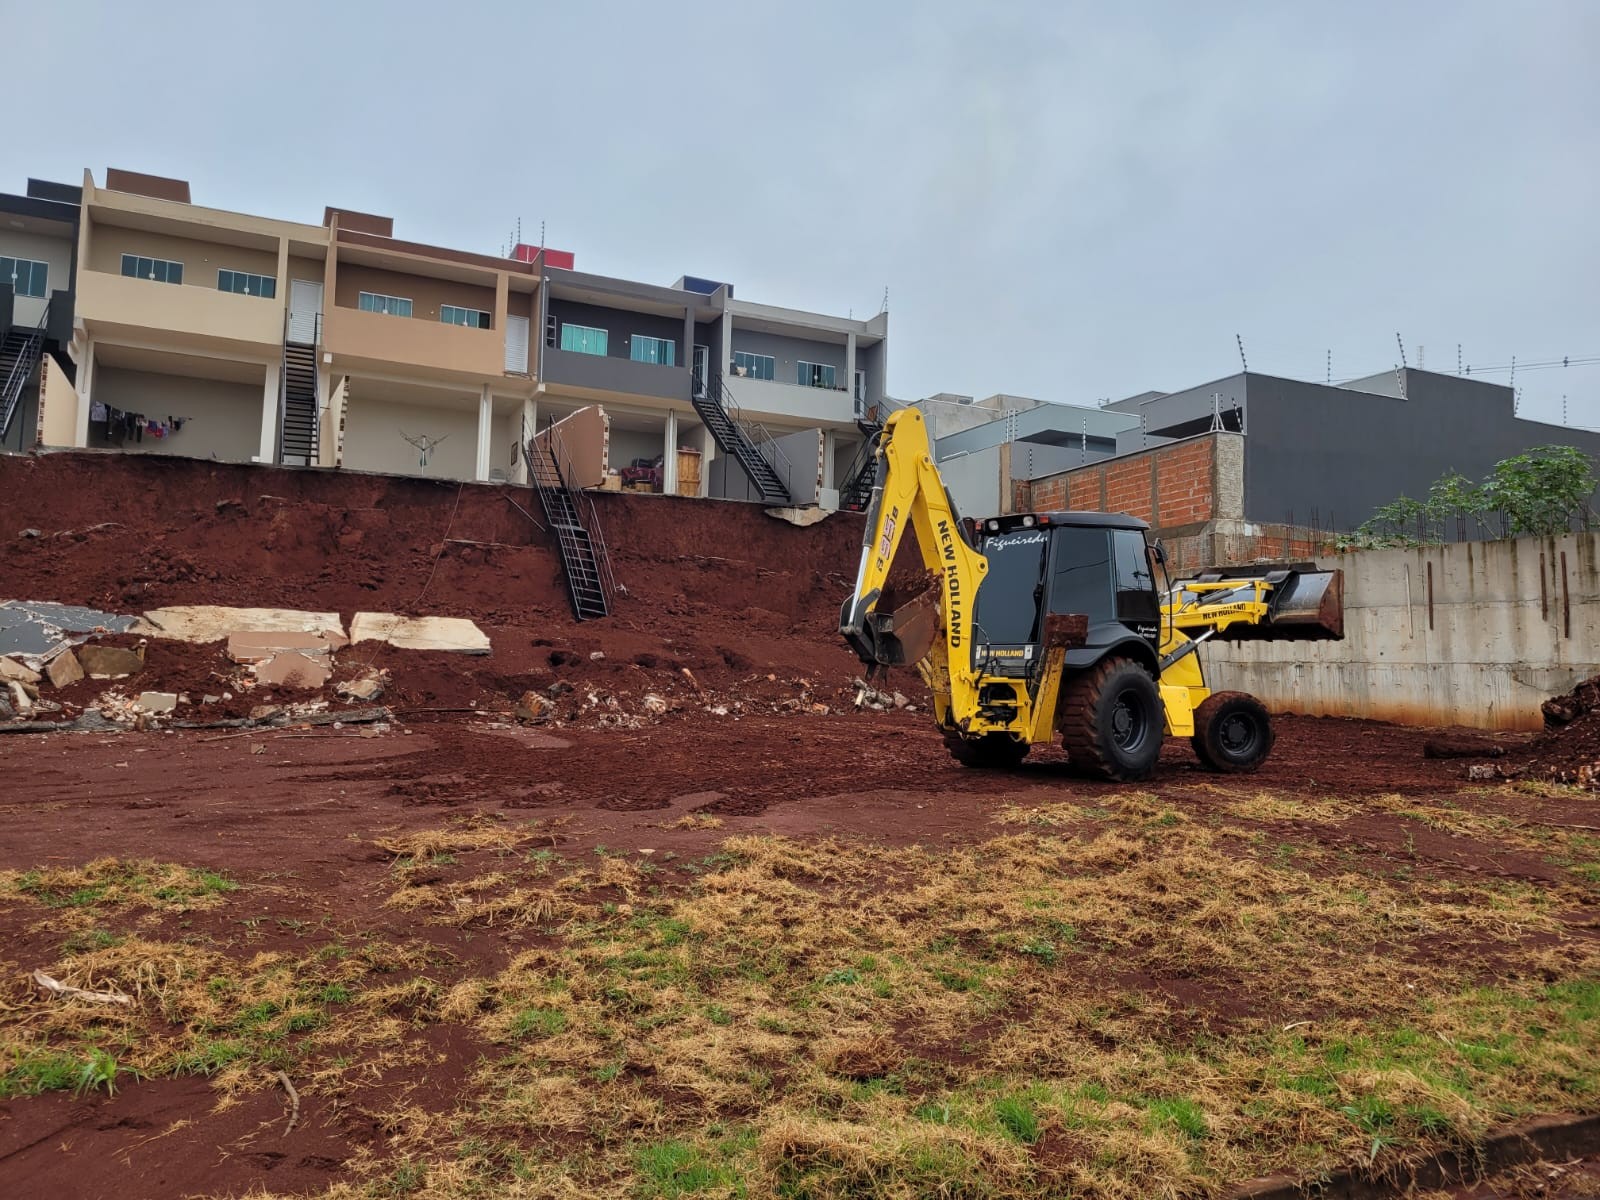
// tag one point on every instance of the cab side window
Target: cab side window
(1136, 594)
(1081, 572)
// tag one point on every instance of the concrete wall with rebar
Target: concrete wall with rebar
(1471, 633)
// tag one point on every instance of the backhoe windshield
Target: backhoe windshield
(1007, 611)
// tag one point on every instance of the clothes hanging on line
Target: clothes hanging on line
(124, 427)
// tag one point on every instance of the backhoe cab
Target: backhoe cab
(1053, 625)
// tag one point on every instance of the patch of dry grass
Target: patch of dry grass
(1124, 1001)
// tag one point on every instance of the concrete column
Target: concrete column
(669, 455)
(502, 306)
(850, 371)
(283, 272)
(269, 416)
(80, 435)
(325, 417)
(829, 445)
(485, 426)
(530, 425)
(688, 339)
(727, 342)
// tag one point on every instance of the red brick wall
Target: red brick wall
(1169, 486)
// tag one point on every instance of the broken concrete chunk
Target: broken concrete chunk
(157, 702)
(257, 646)
(110, 662)
(292, 669)
(11, 669)
(420, 633)
(368, 687)
(532, 707)
(596, 655)
(654, 704)
(20, 700)
(29, 533)
(1480, 772)
(63, 669)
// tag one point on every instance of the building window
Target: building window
(472, 318)
(755, 366)
(662, 351)
(393, 306)
(243, 283)
(581, 339)
(161, 270)
(25, 276)
(818, 375)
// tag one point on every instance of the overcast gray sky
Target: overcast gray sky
(1063, 200)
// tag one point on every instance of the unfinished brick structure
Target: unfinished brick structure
(1192, 493)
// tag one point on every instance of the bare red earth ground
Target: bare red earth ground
(720, 589)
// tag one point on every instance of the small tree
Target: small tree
(1540, 492)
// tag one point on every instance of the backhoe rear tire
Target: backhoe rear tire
(1111, 721)
(1232, 733)
(991, 751)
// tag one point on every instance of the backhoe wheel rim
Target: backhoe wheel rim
(1128, 722)
(1239, 736)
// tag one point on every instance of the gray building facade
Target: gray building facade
(1331, 455)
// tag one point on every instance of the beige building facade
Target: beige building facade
(222, 335)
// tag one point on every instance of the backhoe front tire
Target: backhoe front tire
(1111, 721)
(991, 751)
(1232, 733)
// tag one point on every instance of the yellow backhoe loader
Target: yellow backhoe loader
(1050, 625)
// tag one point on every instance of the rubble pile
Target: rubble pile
(1569, 749)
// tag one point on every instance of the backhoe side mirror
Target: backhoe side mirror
(1160, 551)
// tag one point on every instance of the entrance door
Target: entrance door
(305, 306)
(702, 368)
(517, 345)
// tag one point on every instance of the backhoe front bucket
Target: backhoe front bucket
(1305, 604)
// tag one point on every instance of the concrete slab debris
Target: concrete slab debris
(799, 517)
(260, 645)
(214, 623)
(420, 633)
(157, 702)
(110, 662)
(12, 669)
(290, 668)
(31, 629)
(63, 669)
(21, 703)
(367, 688)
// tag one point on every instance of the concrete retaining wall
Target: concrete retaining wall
(1475, 633)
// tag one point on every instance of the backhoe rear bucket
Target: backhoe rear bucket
(1305, 604)
(901, 628)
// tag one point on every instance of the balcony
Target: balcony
(762, 398)
(599, 373)
(379, 340)
(117, 305)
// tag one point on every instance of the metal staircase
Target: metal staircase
(20, 352)
(740, 440)
(576, 524)
(298, 434)
(861, 475)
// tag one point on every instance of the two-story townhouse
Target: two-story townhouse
(427, 355)
(38, 260)
(183, 317)
(689, 367)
